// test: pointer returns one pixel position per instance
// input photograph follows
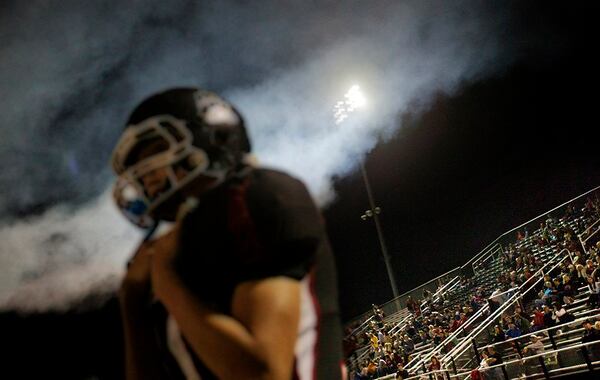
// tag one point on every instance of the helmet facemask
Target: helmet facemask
(175, 163)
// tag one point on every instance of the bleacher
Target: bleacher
(548, 250)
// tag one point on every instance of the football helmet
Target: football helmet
(183, 133)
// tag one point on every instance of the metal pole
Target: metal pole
(551, 336)
(386, 257)
(453, 365)
(586, 357)
(544, 369)
(476, 350)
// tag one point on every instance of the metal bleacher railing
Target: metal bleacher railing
(481, 334)
(474, 327)
(588, 234)
(476, 261)
(481, 266)
(578, 358)
(437, 285)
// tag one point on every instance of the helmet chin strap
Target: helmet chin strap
(191, 202)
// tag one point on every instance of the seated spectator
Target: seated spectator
(520, 321)
(549, 294)
(548, 316)
(590, 267)
(493, 305)
(455, 323)
(494, 355)
(561, 315)
(538, 320)
(435, 365)
(484, 366)
(498, 335)
(401, 373)
(580, 269)
(590, 334)
(569, 290)
(407, 344)
(594, 299)
(411, 304)
(363, 374)
(374, 341)
(371, 369)
(470, 312)
(437, 334)
(427, 296)
(513, 331)
(558, 288)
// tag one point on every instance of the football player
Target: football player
(243, 285)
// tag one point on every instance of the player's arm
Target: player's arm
(141, 355)
(256, 343)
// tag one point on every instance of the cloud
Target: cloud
(64, 255)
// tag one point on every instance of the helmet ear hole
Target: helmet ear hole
(222, 136)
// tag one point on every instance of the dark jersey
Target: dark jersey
(263, 225)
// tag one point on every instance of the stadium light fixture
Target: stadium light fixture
(353, 100)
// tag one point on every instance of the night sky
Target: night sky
(472, 159)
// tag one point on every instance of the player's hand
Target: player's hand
(136, 284)
(164, 251)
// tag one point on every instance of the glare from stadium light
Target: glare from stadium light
(353, 99)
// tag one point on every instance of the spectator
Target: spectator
(401, 373)
(535, 347)
(538, 320)
(569, 289)
(548, 316)
(427, 296)
(363, 374)
(374, 341)
(590, 267)
(520, 321)
(382, 368)
(590, 334)
(594, 299)
(493, 305)
(495, 355)
(485, 364)
(371, 369)
(561, 315)
(581, 271)
(412, 305)
(435, 365)
(408, 344)
(498, 335)
(513, 331)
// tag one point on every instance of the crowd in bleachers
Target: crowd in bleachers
(432, 320)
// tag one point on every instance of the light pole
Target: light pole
(354, 99)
